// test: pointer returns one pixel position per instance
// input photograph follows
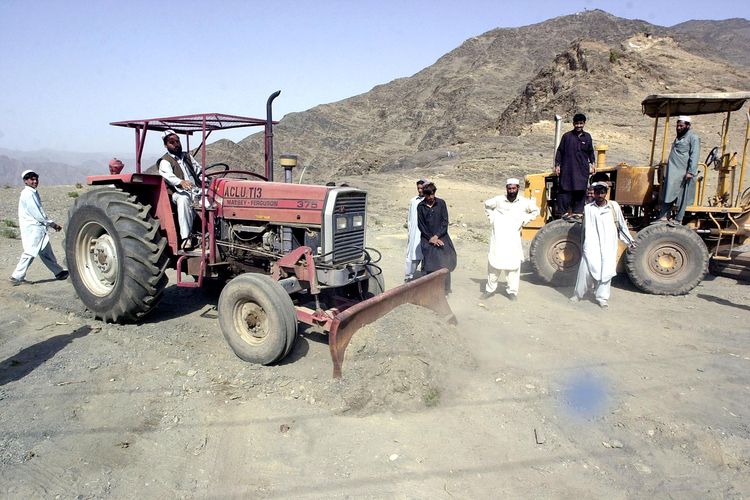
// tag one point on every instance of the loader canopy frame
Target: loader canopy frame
(668, 105)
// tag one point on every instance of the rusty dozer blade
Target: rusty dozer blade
(427, 291)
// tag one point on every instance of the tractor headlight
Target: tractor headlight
(357, 221)
(341, 222)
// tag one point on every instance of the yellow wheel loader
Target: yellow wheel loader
(670, 259)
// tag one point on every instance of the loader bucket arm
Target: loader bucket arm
(427, 291)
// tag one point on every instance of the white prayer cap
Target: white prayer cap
(512, 180)
(684, 118)
(27, 172)
(167, 133)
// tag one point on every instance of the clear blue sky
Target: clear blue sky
(71, 67)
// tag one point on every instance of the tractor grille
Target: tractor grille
(349, 243)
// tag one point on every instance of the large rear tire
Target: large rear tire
(556, 251)
(255, 317)
(667, 260)
(116, 255)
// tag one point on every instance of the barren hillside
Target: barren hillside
(463, 111)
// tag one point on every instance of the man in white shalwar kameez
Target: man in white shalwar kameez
(507, 213)
(603, 225)
(33, 223)
(413, 247)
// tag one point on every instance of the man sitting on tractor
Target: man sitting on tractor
(181, 172)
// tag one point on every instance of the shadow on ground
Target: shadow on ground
(724, 302)
(27, 360)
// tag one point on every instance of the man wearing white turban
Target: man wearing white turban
(182, 173)
(507, 213)
(678, 185)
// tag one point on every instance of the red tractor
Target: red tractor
(287, 252)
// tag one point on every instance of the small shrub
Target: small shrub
(613, 56)
(79, 185)
(9, 232)
(73, 194)
(431, 398)
(9, 223)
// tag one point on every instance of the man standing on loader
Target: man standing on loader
(678, 185)
(574, 162)
(181, 171)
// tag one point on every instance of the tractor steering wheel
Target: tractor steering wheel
(222, 172)
(712, 158)
(745, 199)
(227, 170)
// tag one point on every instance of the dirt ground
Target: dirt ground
(539, 398)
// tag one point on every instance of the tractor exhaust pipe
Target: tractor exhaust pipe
(269, 135)
(288, 162)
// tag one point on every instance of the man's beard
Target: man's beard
(511, 196)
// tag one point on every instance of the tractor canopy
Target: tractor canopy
(663, 105)
(205, 123)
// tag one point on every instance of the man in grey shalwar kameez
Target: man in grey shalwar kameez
(678, 185)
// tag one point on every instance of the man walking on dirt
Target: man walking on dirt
(33, 222)
(413, 246)
(682, 166)
(603, 224)
(574, 162)
(181, 172)
(507, 213)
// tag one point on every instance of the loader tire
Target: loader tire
(255, 320)
(667, 260)
(116, 255)
(556, 251)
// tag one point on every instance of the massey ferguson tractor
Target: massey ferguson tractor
(670, 259)
(288, 252)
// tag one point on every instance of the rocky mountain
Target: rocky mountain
(54, 172)
(729, 39)
(611, 80)
(470, 107)
(488, 105)
(54, 167)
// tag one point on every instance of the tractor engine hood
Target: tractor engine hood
(276, 202)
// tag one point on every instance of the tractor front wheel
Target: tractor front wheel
(667, 260)
(257, 318)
